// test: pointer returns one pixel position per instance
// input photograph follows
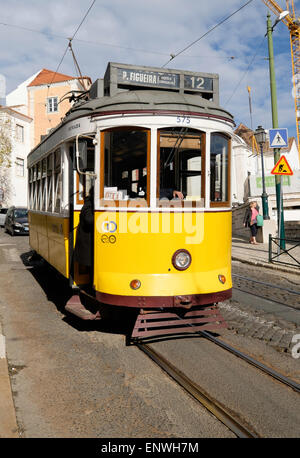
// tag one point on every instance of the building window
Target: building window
(19, 167)
(19, 133)
(52, 105)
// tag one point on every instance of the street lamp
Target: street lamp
(279, 204)
(280, 18)
(260, 137)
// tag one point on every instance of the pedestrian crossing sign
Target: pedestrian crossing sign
(282, 167)
(278, 138)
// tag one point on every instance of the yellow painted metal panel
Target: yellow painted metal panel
(141, 245)
(49, 238)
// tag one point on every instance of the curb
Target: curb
(8, 422)
(267, 265)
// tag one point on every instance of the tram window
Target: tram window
(33, 187)
(84, 182)
(30, 187)
(125, 157)
(219, 170)
(38, 186)
(181, 163)
(44, 184)
(57, 181)
(49, 182)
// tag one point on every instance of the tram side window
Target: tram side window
(57, 181)
(38, 186)
(219, 169)
(125, 157)
(44, 185)
(49, 182)
(85, 181)
(34, 191)
(30, 188)
(182, 156)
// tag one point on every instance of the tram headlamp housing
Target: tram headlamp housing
(181, 259)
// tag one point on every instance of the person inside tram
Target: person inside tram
(83, 252)
(165, 193)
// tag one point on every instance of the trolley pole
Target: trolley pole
(279, 202)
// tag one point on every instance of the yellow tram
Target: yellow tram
(155, 146)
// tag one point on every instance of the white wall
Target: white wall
(14, 185)
(19, 95)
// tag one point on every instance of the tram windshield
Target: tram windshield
(125, 159)
(181, 161)
(219, 168)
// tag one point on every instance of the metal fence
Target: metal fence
(283, 256)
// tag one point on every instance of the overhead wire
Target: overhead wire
(100, 43)
(69, 46)
(70, 39)
(173, 56)
(245, 73)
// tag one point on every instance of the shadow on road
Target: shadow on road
(58, 291)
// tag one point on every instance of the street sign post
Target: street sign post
(278, 138)
(281, 167)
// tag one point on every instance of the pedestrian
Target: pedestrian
(83, 252)
(250, 220)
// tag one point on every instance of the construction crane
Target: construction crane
(293, 24)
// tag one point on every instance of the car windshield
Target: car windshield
(21, 213)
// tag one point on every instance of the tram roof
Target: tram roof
(147, 101)
(110, 96)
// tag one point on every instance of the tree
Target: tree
(5, 158)
(5, 142)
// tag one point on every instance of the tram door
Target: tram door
(80, 186)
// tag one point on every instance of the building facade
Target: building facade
(45, 97)
(247, 180)
(35, 107)
(15, 145)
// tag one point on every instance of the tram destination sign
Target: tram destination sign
(148, 78)
(198, 83)
(137, 77)
(130, 77)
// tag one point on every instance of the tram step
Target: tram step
(75, 306)
(154, 323)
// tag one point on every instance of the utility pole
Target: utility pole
(279, 202)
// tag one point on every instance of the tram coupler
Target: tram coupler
(183, 301)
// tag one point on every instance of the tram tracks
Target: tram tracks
(229, 419)
(246, 285)
(212, 405)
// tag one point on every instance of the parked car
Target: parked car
(16, 221)
(3, 212)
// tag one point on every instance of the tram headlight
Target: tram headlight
(135, 284)
(222, 279)
(181, 259)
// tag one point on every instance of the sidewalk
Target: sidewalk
(258, 255)
(8, 423)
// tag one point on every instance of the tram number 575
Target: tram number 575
(183, 120)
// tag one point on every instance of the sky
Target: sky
(34, 35)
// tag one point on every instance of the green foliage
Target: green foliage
(5, 143)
